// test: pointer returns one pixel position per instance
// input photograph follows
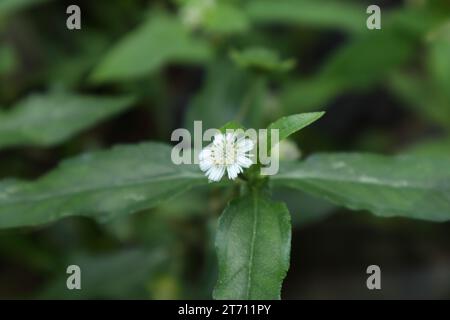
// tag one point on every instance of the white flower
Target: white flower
(227, 153)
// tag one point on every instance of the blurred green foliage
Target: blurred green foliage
(139, 69)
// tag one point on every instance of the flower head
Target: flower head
(227, 153)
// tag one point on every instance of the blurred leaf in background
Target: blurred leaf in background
(261, 59)
(48, 119)
(328, 14)
(160, 40)
(86, 186)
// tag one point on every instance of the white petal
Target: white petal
(220, 173)
(211, 173)
(245, 145)
(218, 140)
(215, 173)
(205, 153)
(205, 164)
(230, 137)
(243, 161)
(233, 171)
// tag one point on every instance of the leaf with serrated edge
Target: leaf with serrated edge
(253, 246)
(101, 185)
(49, 119)
(160, 40)
(291, 124)
(407, 186)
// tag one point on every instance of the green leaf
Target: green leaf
(261, 59)
(346, 17)
(160, 40)
(225, 18)
(367, 60)
(371, 56)
(290, 124)
(407, 186)
(355, 66)
(253, 245)
(221, 17)
(293, 123)
(49, 119)
(416, 21)
(101, 185)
